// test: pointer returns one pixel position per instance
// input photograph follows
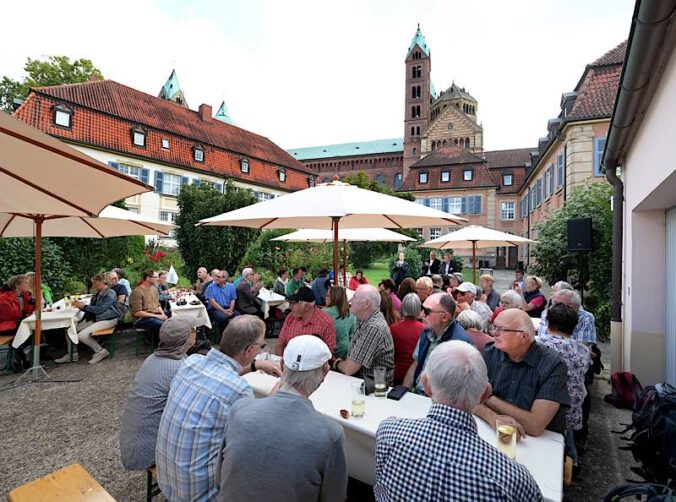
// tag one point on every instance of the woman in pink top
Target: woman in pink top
(390, 288)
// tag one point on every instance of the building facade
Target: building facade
(160, 141)
(570, 154)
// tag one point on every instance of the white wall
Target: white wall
(648, 178)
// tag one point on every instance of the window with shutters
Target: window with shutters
(435, 203)
(133, 171)
(559, 170)
(545, 184)
(454, 205)
(171, 184)
(551, 179)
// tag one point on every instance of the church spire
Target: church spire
(223, 115)
(419, 40)
(171, 91)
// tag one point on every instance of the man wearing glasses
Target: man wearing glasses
(192, 428)
(438, 316)
(529, 380)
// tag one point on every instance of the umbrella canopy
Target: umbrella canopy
(112, 222)
(43, 179)
(41, 175)
(332, 206)
(319, 206)
(473, 237)
(349, 234)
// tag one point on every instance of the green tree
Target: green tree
(363, 254)
(54, 70)
(588, 270)
(206, 246)
(17, 256)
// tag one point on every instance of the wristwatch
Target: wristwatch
(253, 366)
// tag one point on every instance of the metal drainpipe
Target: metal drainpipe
(616, 327)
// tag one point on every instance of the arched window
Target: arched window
(413, 72)
(466, 142)
(444, 143)
(455, 140)
(434, 145)
(412, 131)
(415, 151)
(413, 112)
(417, 131)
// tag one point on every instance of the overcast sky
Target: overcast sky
(307, 73)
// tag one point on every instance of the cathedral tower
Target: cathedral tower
(418, 97)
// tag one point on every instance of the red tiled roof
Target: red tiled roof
(516, 157)
(136, 107)
(451, 154)
(613, 56)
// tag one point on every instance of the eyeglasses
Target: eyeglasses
(428, 311)
(500, 330)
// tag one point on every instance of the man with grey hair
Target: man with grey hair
(247, 291)
(510, 299)
(372, 343)
(438, 315)
(192, 427)
(529, 380)
(257, 448)
(585, 331)
(441, 456)
(423, 287)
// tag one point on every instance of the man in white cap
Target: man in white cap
(466, 300)
(280, 447)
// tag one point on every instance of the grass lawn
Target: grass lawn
(377, 272)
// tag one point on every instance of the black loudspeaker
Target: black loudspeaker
(579, 234)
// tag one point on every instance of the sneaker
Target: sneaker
(99, 356)
(66, 358)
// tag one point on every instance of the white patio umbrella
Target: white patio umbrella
(345, 235)
(332, 206)
(111, 222)
(42, 179)
(473, 237)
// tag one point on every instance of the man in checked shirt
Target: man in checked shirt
(441, 456)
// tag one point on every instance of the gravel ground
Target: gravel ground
(51, 425)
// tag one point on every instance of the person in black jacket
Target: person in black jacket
(400, 270)
(432, 265)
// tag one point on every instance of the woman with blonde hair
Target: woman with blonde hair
(534, 302)
(346, 324)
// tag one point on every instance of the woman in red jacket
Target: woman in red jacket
(15, 303)
(357, 280)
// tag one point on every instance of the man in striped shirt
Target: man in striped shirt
(192, 428)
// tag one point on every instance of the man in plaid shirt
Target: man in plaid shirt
(372, 343)
(306, 318)
(192, 428)
(441, 457)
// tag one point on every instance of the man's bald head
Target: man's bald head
(517, 319)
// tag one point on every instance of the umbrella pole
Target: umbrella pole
(37, 371)
(334, 224)
(474, 259)
(345, 263)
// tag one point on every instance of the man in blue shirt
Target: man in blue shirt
(438, 316)
(221, 296)
(192, 428)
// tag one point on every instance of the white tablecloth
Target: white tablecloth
(271, 299)
(542, 456)
(50, 320)
(197, 312)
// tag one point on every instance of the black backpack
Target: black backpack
(653, 440)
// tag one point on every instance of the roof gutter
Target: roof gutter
(648, 28)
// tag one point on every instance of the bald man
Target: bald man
(529, 380)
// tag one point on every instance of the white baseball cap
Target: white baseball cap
(305, 353)
(467, 287)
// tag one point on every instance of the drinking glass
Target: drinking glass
(506, 437)
(358, 399)
(380, 389)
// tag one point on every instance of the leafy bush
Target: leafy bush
(17, 256)
(206, 246)
(72, 287)
(590, 271)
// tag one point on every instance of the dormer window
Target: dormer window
(468, 174)
(138, 137)
(282, 174)
(165, 143)
(198, 153)
(63, 116)
(507, 179)
(422, 178)
(445, 176)
(244, 165)
(311, 181)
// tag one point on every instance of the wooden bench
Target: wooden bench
(152, 488)
(72, 484)
(7, 340)
(108, 332)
